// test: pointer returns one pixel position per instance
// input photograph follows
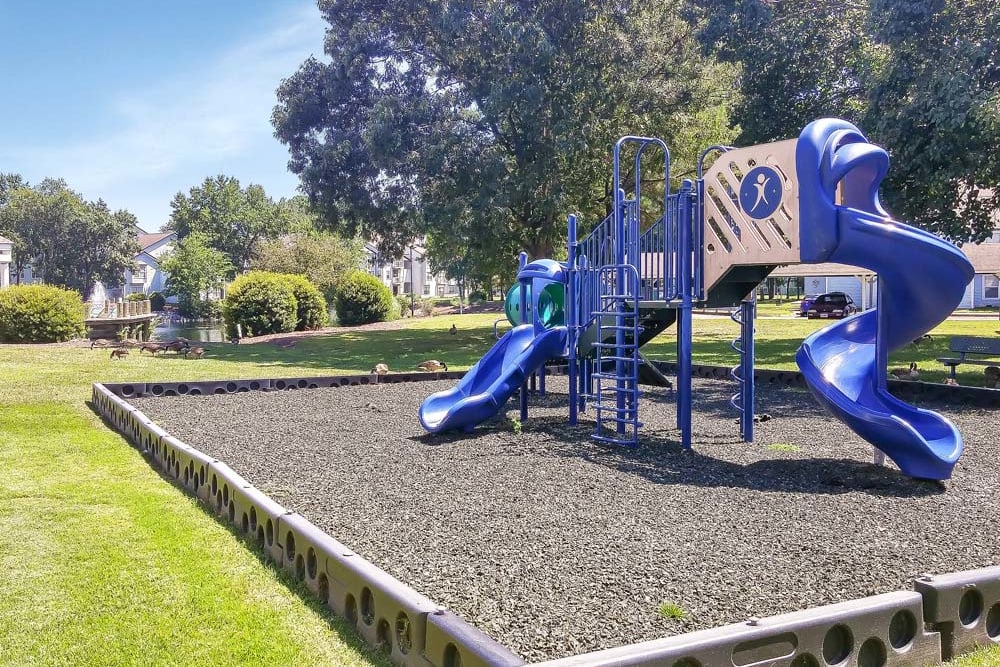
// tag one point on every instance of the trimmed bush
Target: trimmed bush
(138, 296)
(402, 305)
(426, 307)
(40, 314)
(261, 303)
(396, 310)
(311, 312)
(362, 298)
(157, 301)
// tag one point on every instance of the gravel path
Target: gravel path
(555, 546)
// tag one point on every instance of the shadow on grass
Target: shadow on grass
(345, 631)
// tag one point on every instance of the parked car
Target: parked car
(832, 305)
(806, 302)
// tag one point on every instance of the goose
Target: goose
(379, 370)
(119, 353)
(453, 330)
(100, 342)
(153, 348)
(286, 344)
(196, 352)
(908, 374)
(433, 365)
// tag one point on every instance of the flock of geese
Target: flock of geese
(430, 366)
(120, 349)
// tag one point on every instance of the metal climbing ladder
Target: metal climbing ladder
(617, 362)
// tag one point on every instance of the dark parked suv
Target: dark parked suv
(832, 305)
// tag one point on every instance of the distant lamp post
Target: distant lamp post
(246, 265)
(412, 284)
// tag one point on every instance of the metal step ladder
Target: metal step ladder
(615, 381)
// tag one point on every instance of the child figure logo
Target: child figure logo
(760, 192)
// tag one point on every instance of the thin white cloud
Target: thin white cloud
(176, 132)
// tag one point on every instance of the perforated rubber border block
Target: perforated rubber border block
(964, 607)
(945, 616)
(387, 613)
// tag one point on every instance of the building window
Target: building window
(427, 289)
(991, 287)
(139, 274)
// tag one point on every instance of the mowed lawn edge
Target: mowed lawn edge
(102, 561)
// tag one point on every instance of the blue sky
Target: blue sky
(134, 101)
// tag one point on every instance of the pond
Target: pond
(204, 332)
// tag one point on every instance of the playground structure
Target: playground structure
(807, 200)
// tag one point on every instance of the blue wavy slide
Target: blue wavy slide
(484, 390)
(921, 279)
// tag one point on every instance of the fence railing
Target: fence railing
(111, 310)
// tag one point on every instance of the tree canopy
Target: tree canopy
(494, 112)
(230, 218)
(67, 241)
(194, 268)
(921, 79)
(935, 103)
(322, 257)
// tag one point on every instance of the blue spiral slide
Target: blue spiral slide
(921, 279)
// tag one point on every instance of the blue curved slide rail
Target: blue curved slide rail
(921, 279)
(482, 392)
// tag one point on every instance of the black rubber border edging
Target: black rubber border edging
(387, 613)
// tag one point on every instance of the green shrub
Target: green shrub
(427, 307)
(138, 296)
(157, 301)
(477, 297)
(261, 303)
(311, 310)
(396, 310)
(403, 304)
(362, 298)
(40, 314)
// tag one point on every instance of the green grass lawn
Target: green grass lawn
(104, 562)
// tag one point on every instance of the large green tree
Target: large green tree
(498, 112)
(66, 240)
(232, 219)
(921, 78)
(9, 183)
(799, 61)
(194, 268)
(935, 104)
(322, 257)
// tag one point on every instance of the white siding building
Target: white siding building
(6, 248)
(408, 273)
(862, 285)
(147, 277)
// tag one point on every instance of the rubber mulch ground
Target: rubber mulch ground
(554, 545)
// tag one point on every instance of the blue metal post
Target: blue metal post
(699, 238)
(572, 317)
(684, 225)
(749, 308)
(522, 261)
